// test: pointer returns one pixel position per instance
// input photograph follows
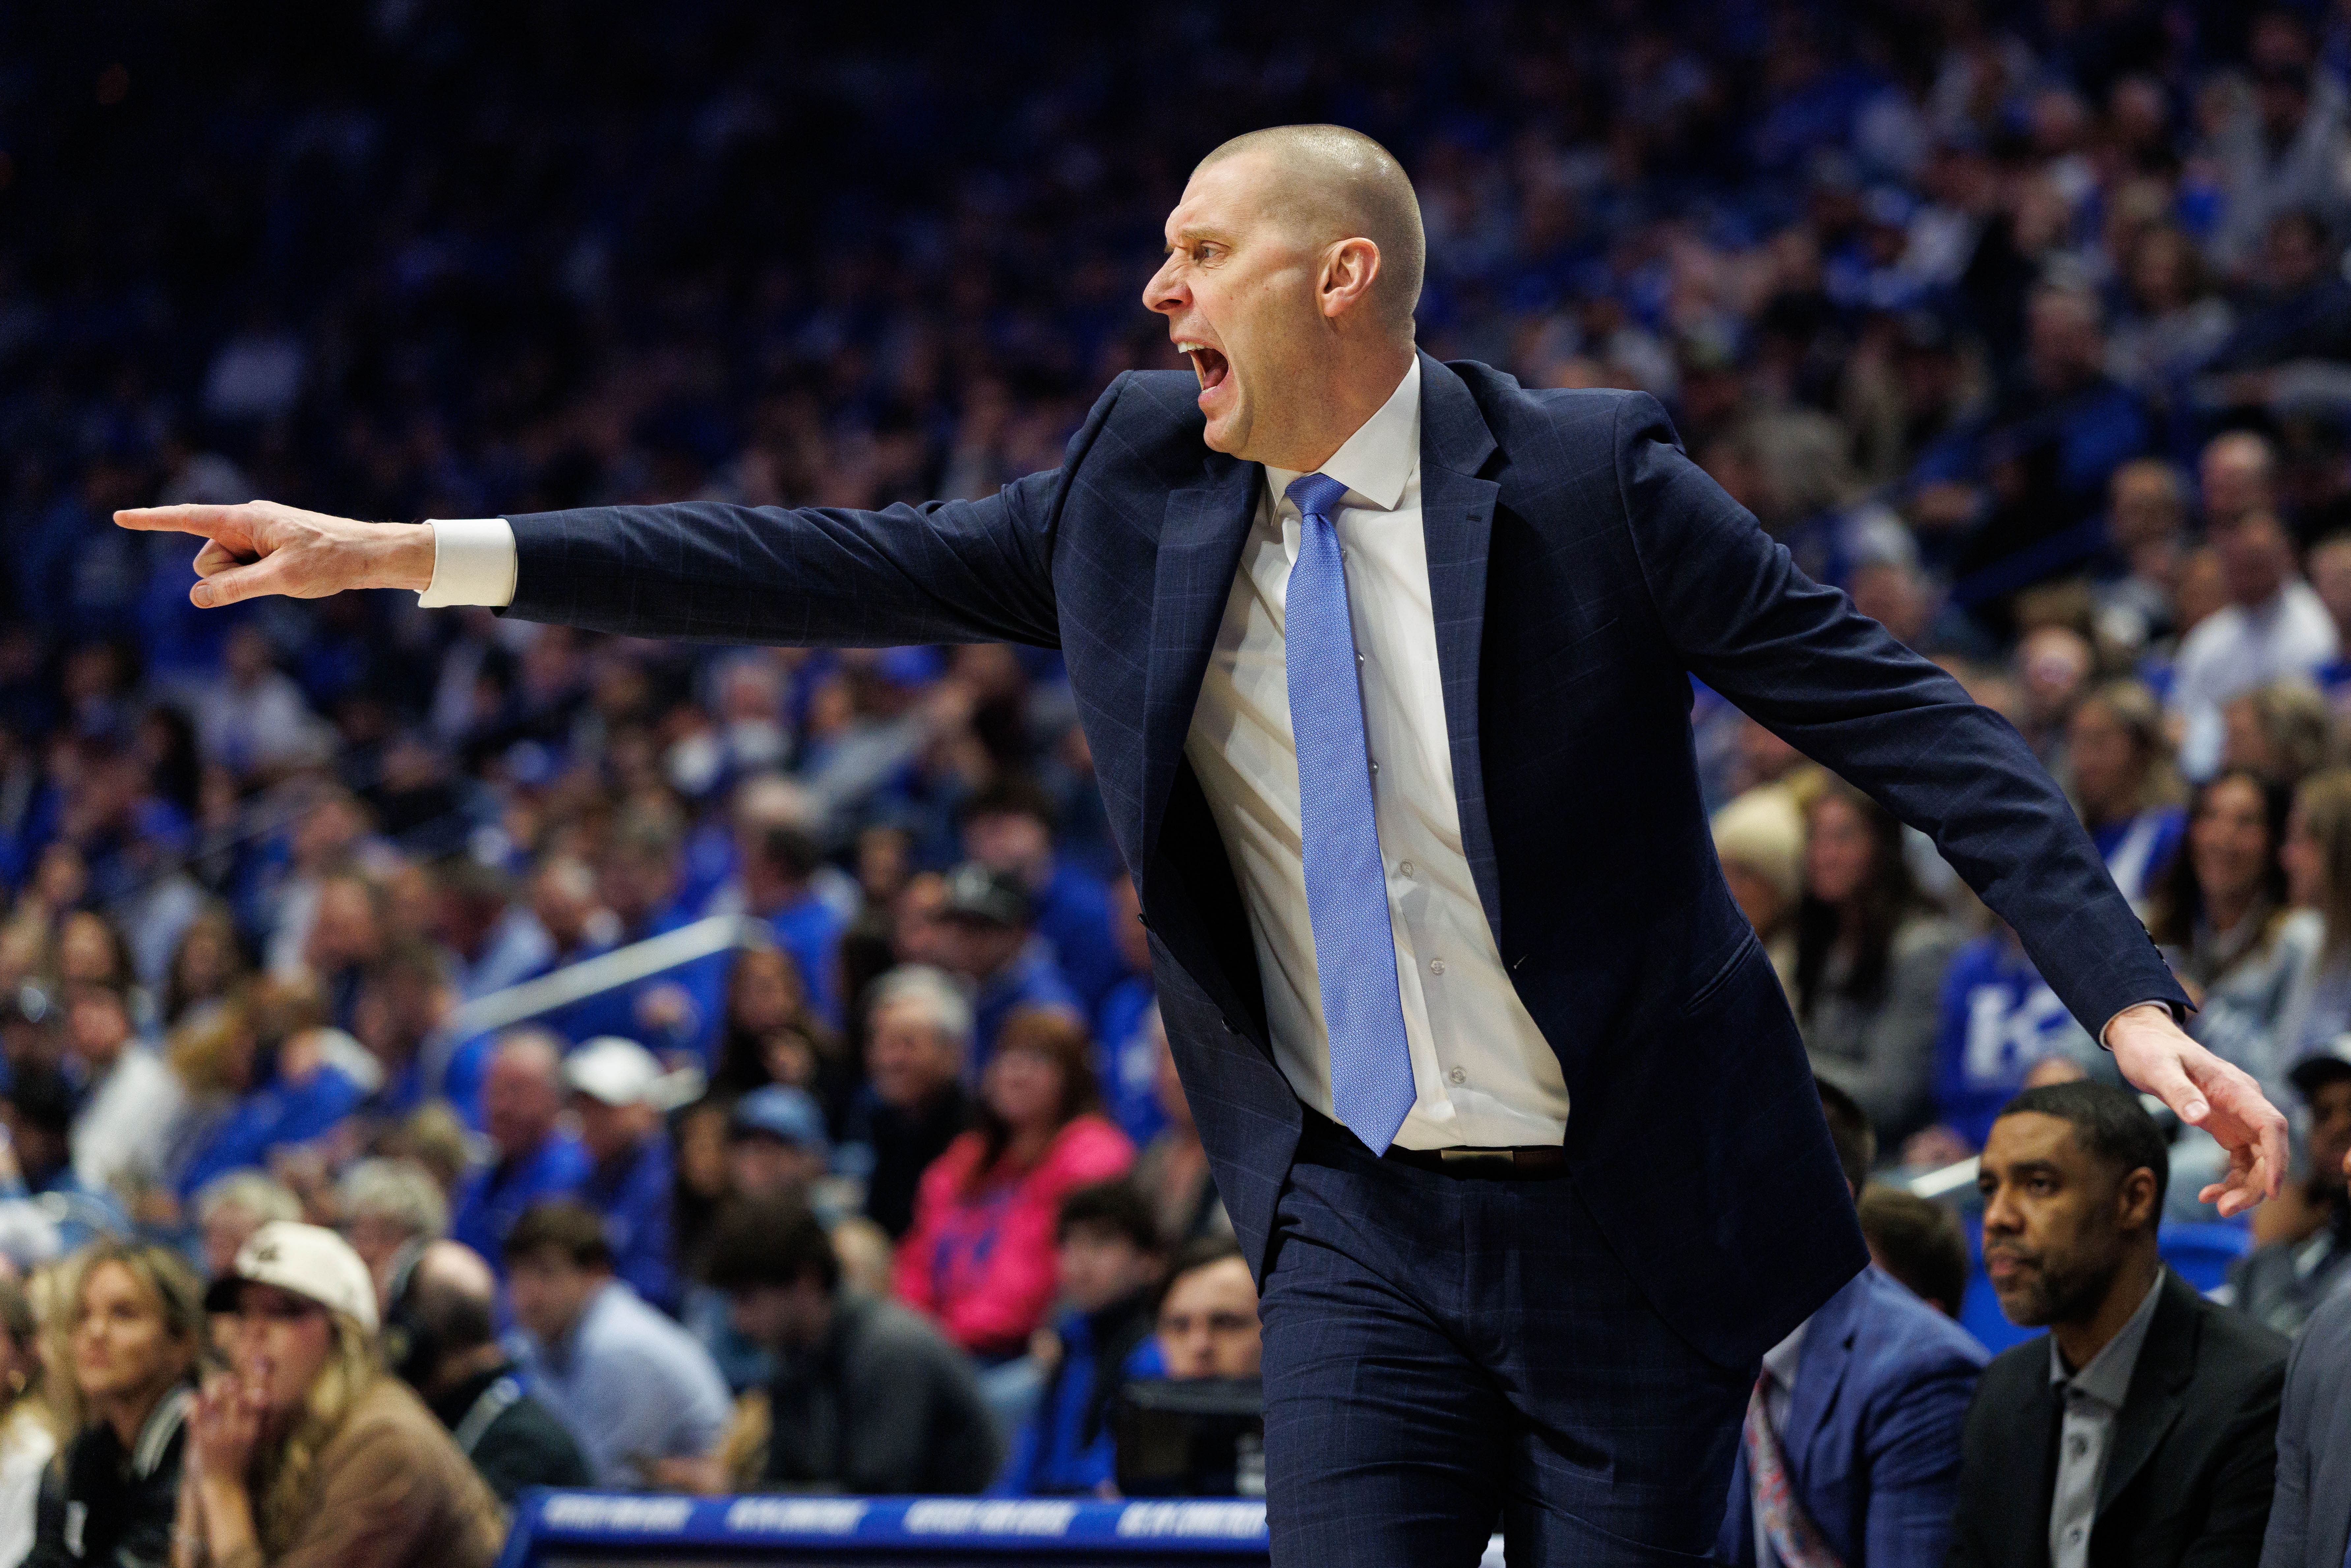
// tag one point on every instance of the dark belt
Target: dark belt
(1537, 1162)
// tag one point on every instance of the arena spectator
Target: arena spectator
(1760, 839)
(917, 1040)
(1207, 1324)
(2272, 624)
(260, 1073)
(988, 927)
(2123, 785)
(633, 1389)
(534, 1158)
(441, 1338)
(1009, 828)
(1172, 1171)
(2170, 1468)
(1999, 1021)
(2278, 730)
(135, 1329)
(619, 1095)
(1110, 1258)
(867, 1397)
(2316, 859)
(388, 1210)
(2282, 1282)
(979, 1257)
(1919, 1242)
(128, 1092)
(778, 854)
(305, 1450)
(2310, 1517)
(2221, 918)
(230, 1207)
(209, 963)
(1127, 1054)
(2299, 313)
(2147, 526)
(1869, 1473)
(36, 1110)
(28, 1438)
(771, 1035)
(776, 1144)
(1871, 950)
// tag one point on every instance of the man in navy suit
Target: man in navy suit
(1386, 665)
(1851, 1439)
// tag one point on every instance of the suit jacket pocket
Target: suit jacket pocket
(1748, 946)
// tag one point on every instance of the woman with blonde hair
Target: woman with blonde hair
(28, 1436)
(306, 1451)
(125, 1325)
(2123, 785)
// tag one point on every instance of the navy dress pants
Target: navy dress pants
(1445, 1354)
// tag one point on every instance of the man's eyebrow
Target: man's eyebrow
(1182, 235)
(2025, 1168)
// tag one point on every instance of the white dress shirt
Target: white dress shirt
(2234, 650)
(1484, 1074)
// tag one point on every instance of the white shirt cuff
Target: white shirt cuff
(473, 563)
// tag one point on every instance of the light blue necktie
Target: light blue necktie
(1346, 882)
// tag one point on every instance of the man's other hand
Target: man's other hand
(262, 548)
(2156, 1054)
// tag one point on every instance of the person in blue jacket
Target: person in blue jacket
(522, 1108)
(1999, 1020)
(1111, 1259)
(1850, 1452)
(618, 1094)
(1009, 828)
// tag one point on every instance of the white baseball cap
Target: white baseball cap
(307, 1259)
(618, 1072)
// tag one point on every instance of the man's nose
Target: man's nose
(2000, 1215)
(1162, 293)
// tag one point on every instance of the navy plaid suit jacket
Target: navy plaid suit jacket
(1581, 568)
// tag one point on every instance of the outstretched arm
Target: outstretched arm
(945, 572)
(1836, 685)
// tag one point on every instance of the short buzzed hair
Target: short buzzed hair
(2110, 1125)
(1353, 186)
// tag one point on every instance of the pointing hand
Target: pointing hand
(261, 548)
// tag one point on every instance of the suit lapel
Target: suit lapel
(2167, 1360)
(1820, 1373)
(1200, 540)
(1200, 543)
(1457, 519)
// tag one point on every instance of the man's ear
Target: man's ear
(1350, 269)
(2135, 1200)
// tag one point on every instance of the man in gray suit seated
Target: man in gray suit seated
(2310, 1518)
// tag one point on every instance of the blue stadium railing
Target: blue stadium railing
(554, 1528)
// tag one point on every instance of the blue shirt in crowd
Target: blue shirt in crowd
(1128, 1064)
(1999, 1019)
(809, 930)
(632, 1386)
(1031, 981)
(494, 1197)
(632, 1194)
(1073, 913)
(277, 1112)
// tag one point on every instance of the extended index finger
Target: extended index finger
(188, 518)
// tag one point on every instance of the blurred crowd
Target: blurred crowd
(738, 1068)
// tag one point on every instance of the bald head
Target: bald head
(1338, 184)
(455, 1296)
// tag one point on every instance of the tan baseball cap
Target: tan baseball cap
(306, 1259)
